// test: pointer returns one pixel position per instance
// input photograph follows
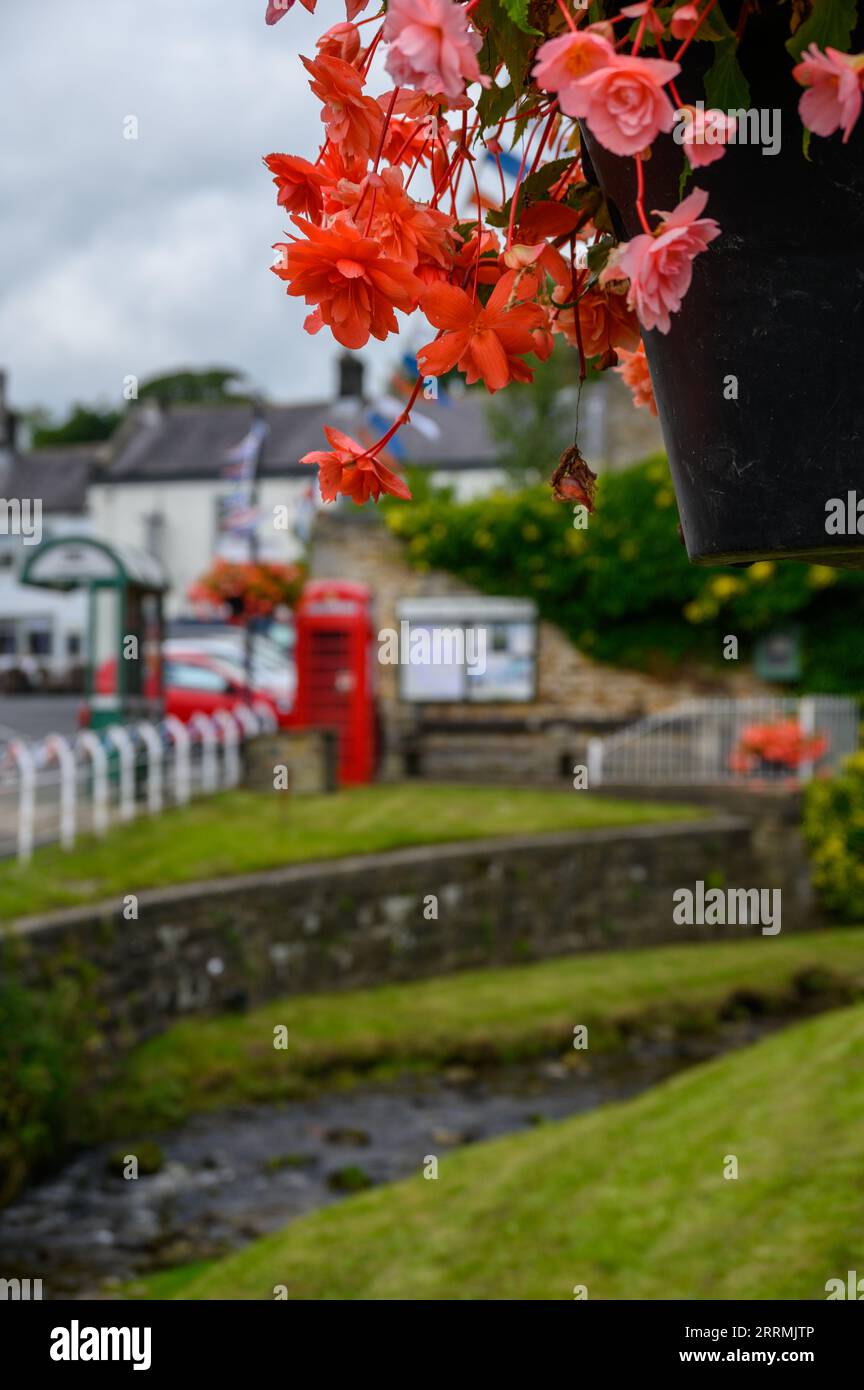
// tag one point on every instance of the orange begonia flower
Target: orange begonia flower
(352, 471)
(409, 232)
(353, 121)
(605, 320)
(299, 184)
(345, 274)
(487, 344)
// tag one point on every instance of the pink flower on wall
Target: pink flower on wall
(704, 134)
(563, 62)
(660, 267)
(684, 21)
(624, 102)
(833, 97)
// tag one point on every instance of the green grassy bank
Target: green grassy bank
(629, 1200)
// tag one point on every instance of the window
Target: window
(8, 644)
(39, 637)
(186, 676)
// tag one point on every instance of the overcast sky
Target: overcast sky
(122, 257)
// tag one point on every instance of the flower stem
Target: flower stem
(640, 195)
(676, 57)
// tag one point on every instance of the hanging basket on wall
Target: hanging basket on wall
(601, 121)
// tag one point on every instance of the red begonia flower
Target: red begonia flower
(345, 274)
(487, 344)
(348, 469)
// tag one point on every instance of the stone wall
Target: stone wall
(309, 757)
(367, 920)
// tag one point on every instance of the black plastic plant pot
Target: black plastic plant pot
(759, 381)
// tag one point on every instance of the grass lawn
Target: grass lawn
(240, 832)
(482, 1015)
(629, 1200)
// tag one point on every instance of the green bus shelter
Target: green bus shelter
(124, 629)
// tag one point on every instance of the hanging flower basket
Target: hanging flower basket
(758, 378)
(250, 590)
(680, 195)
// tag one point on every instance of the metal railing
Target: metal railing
(59, 788)
(710, 741)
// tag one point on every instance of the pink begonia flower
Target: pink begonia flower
(277, 9)
(704, 134)
(624, 102)
(565, 61)
(431, 46)
(833, 97)
(660, 267)
(684, 21)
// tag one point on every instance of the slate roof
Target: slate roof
(59, 477)
(191, 441)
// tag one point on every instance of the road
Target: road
(33, 716)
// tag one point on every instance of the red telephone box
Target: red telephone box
(335, 663)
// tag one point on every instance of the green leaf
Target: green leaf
(830, 26)
(504, 42)
(584, 196)
(494, 104)
(715, 28)
(726, 87)
(518, 12)
(599, 253)
(531, 190)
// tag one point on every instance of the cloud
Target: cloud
(138, 255)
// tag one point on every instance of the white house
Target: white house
(160, 484)
(164, 487)
(44, 494)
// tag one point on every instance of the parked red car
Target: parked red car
(194, 683)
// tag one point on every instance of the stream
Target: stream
(226, 1177)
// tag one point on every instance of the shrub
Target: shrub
(46, 1046)
(834, 828)
(623, 588)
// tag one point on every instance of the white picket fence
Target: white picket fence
(60, 788)
(694, 742)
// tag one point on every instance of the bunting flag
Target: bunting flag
(509, 163)
(239, 515)
(381, 424)
(402, 384)
(430, 429)
(242, 459)
(382, 414)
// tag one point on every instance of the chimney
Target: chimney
(350, 377)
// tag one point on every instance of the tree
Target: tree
(210, 386)
(90, 424)
(535, 423)
(85, 424)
